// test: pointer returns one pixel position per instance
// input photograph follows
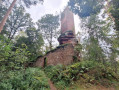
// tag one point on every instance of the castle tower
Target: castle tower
(67, 27)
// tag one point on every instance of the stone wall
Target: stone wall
(61, 55)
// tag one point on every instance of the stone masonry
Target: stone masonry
(67, 27)
(67, 21)
(61, 55)
(64, 53)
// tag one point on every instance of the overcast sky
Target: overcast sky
(54, 7)
(50, 7)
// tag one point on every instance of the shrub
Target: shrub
(12, 59)
(88, 71)
(31, 79)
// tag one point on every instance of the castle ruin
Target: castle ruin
(64, 53)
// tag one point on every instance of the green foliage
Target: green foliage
(25, 2)
(18, 20)
(115, 12)
(86, 71)
(30, 79)
(78, 48)
(52, 70)
(3, 10)
(33, 39)
(75, 59)
(12, 60)
(12, 73)
(56, 75)
(31, 2)
(48, 26)
(94, 51)
(96, 46)
(85, 8)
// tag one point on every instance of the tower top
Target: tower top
(67, 21)
(67, 27)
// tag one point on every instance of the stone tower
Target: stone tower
(67, 27)
(63, 54)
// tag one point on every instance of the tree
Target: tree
(114, 10)
(9, 59)
(96, 29)
(85, 8)
(2, 11)
(33, 41)
(48, 26)
(6, 15)
(101, 44)
(94, 50)
(18, 20)
(27, 3)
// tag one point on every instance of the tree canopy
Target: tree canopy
(85, 8)
(48, 26)
(95, 59)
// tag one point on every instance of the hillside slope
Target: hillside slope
(83, 75)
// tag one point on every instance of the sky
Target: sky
(51, 7)
(55, 7)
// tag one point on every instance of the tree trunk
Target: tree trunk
(6, 15)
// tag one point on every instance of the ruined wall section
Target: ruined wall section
(61, 55)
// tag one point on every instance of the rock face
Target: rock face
(61, 55)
